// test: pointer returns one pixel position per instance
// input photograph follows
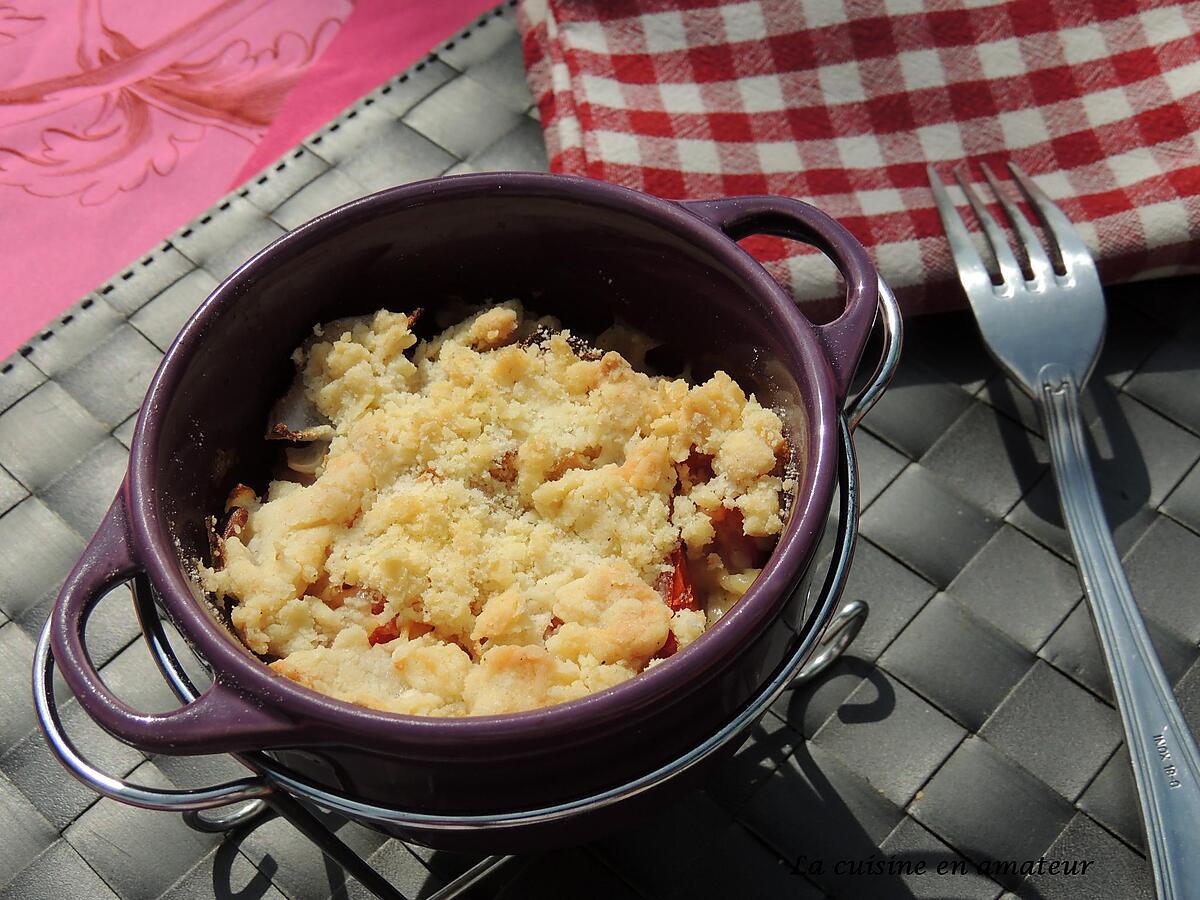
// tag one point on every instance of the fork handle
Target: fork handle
(1166, 764)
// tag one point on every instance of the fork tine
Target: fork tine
(1039, 262)
(1010, 269)
(971, 271)
(1069, 246)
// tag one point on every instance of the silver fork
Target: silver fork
(1045, 331)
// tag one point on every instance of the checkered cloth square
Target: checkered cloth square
(844, 103)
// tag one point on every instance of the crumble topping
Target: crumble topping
(502, 517)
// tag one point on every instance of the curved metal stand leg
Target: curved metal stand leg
(327, 841)
(471, 877)
(229, 820)
(842, 630)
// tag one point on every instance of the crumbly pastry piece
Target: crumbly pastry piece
(504, 519)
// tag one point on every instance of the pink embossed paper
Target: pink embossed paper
(122, 119)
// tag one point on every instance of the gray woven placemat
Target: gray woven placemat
(971, 722)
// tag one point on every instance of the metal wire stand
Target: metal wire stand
(272, 788)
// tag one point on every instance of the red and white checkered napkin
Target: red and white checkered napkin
(843, 103)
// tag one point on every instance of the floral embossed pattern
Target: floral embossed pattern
(120, 112)
(122, 119)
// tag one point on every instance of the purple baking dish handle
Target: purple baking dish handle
(219, 720)
(844, 338)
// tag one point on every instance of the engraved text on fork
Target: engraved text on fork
(1164, 756)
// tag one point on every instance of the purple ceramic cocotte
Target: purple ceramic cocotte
(582, 250)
